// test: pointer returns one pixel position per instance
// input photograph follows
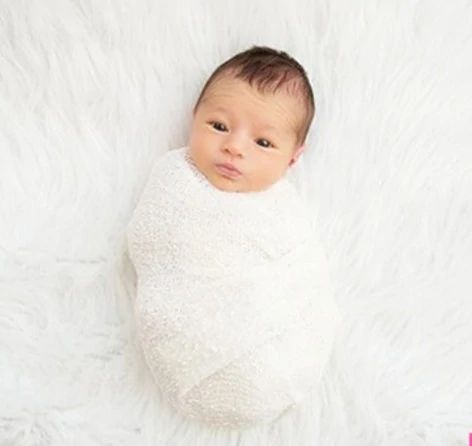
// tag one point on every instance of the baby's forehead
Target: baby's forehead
(227, 100)
(224, 84)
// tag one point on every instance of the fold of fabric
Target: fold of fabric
(234, 305)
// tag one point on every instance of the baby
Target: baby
(251, 120)
(234, 306)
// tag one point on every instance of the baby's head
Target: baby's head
(254, 112)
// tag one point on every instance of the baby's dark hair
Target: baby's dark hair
(270, 70)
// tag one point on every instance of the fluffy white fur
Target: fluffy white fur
(92, 92)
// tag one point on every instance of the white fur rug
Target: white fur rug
(92, 92)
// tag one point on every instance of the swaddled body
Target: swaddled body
(234, 305)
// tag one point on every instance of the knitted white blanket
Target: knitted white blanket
(234, 306)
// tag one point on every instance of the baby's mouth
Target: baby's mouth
(227, 171)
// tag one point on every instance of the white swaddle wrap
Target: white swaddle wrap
(234, 305)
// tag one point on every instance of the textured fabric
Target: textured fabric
(234, 305)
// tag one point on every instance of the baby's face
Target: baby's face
(255, 133)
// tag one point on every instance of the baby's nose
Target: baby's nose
(235, 143)
(234, 148)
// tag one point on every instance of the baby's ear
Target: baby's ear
(297, 153)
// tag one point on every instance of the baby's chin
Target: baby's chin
(228, 184)
(234, 184)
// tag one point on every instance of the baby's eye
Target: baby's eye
(217, 124)
(269, 144)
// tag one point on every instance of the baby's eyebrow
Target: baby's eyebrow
(219, 109)
(265, 127)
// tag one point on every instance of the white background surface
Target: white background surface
(91, 92)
